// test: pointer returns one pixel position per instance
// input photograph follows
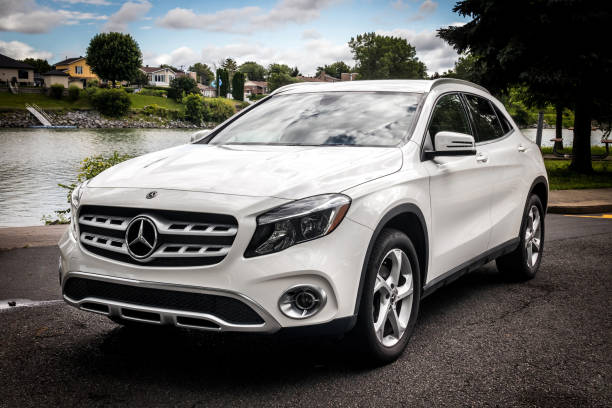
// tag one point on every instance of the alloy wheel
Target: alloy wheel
(533, 236)
(393, 293)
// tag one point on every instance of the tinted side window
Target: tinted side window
(504, 122)
(449, 115)
(487, 125)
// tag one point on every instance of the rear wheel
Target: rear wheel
(523, 263)
(390, 300)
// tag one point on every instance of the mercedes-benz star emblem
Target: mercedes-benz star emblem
(141, 238)
(151, 195)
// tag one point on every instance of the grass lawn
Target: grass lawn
(10, 101)
(140, 101)
(568, 150)
(561, 178)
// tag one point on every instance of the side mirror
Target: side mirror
(199, 135)
(452, 144)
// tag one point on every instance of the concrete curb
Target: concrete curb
(579, 209)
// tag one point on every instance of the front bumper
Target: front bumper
(332, 263)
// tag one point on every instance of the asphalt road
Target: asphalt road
(479, 342)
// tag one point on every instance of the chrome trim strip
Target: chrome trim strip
(201, 253)
(169, 316)
(105, 224)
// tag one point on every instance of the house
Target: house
(255, 88)
(159, 76)
(56, 76)
(324, 77)
(15, 71)
(79, 72)
(208, 91)
(189, 74)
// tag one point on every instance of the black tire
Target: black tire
(363, 336)
(516, 266)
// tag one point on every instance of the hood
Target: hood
(289, 172)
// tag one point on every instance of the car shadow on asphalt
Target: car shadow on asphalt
(216, 360)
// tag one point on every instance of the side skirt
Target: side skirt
(470, 266)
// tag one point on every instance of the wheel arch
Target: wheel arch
(539, 187)
(409, 219)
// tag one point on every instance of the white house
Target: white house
(159, 76)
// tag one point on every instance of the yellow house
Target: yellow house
(78, 70)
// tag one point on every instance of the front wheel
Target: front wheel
(523, 263)
(390, 300)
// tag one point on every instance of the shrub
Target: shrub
(218, 109)
(111, 102)
(73, 92)
(256, 97)
(93, 83)
(56, 91)
(90, 167)
(90, 92)
(160, 111)
(194, 108)
(240, 105)
(182, 84)
(154, 92)
(129, 90)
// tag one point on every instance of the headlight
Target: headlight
(75, 201)
(298, 221)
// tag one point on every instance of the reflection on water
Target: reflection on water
(33, 161)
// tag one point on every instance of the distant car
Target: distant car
(323, 208)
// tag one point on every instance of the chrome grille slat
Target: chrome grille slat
(96, 221)
(183, 238)
(95, 240)
(182, 252)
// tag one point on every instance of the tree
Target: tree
(295, 72)
(278, 79)
(230, 66)
(182, 84)
(385, 57)
(203, 73)
(238, 86)
(223, 82)
(253, 71)
(139, 78)
(335, 69)
(40, 65)
(172, 67)
(465, 68)
(559, 50)
(114, 56)
(279, 69)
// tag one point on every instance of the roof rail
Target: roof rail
(443, 81)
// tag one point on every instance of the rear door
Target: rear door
(459, 197)
(497, 142)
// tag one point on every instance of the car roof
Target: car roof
(388, 85)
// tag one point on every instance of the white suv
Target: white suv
(324, 208)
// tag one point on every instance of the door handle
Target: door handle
(481, 158)
(521, 148)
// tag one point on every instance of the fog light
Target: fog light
(302, 301)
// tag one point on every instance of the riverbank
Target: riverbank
(89, 119)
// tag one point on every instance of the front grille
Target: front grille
(229, 309)
(184, 238)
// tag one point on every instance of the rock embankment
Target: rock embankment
(91, 119)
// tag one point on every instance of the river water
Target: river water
(34, 161)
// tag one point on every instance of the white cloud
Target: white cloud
(246, 19)
(428, 6)
(93, 2)
(310, 34)
(398, 4)
(26, 16)
(432, 50)
(146, 27)
(307, 57)
(19, 50)
(130, 11)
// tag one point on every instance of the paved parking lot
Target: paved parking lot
(479, 342)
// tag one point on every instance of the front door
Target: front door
(460, 197)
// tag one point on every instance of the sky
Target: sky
(302, 33)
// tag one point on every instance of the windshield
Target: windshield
(326, 118)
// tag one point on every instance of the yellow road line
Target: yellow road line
(608, 216)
